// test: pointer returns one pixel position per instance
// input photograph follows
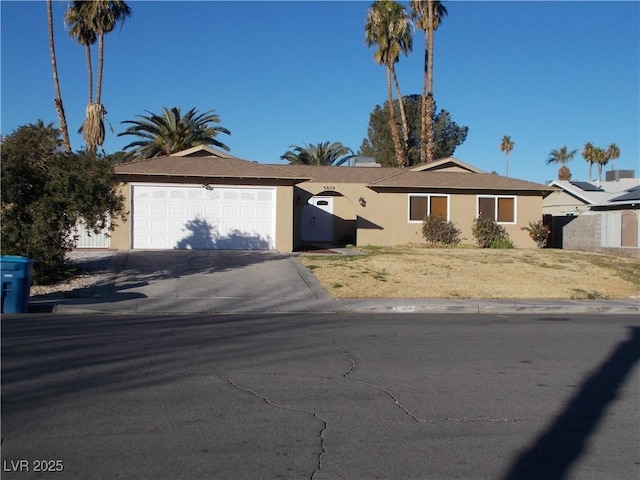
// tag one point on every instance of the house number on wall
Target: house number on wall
(329, 187)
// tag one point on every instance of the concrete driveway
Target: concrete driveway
(200, 281)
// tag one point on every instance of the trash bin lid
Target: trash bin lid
(14, 262)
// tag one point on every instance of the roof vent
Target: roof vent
(358, 161)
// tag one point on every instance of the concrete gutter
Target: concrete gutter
(493, 306)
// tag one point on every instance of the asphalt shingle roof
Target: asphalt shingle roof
(459, 180)
(206, 167)
(213, 164)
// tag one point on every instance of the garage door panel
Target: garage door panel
(188, 216)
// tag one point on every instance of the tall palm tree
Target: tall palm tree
(562, 155)
(613, 152)
(104, 16)
(64, 130)
(171, 132)
(600, 158)
(387, 26)
(320, 154)
(80, 30)
(588, 154)
(428, 15)
(101, 17)
(506, 146)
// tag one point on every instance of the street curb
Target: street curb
(309, 279)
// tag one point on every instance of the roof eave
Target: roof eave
(225, 177)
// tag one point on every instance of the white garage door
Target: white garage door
(193, 217)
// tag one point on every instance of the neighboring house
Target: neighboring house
(575, 198)
(203, 199)
(601, 217)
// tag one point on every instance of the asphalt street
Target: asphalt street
(321, 396)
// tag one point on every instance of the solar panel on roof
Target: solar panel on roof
(632, 194)
(587, 187)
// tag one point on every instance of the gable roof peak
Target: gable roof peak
(445, 164)
(202, 151)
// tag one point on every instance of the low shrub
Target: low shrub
(501, 243)
(489, 234)
(538, 232)
(439, 231)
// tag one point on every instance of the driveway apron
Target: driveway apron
(196, 281)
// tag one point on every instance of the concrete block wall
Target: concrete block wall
(601, 233)
(583, 233)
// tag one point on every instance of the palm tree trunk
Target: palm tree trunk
(507, 166)
(403, 116)
(100, 62)
(89, 72)
(430, 106)
(392, 123)
(590, 170)
(423, 122)
(64, 130)
(431, 144)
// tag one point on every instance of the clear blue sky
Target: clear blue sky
(282, 73)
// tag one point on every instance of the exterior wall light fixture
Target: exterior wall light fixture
(362, 202)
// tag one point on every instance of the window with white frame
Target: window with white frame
(500, 208)
(424, 204)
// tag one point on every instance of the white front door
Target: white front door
(193, 217)
(317, 220)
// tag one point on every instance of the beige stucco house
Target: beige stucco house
(202, 198)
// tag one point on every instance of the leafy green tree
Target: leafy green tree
(562, 155)
(428, 15)
(172, 132)
(64, 129)
(388, 27)
(320, 154)
(91, 20)
(45, 192)
(506, 146)
(379, 144)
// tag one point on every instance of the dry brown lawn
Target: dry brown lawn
(414, 272)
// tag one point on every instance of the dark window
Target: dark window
(487, 207)
(417, 208)
(499, 209)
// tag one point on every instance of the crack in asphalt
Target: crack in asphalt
(352, 363)
(264, 399)
(323, 449)
(396, 400)
(325, 425)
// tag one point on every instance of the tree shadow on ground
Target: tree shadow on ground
(205, 236)
(51, 357)
(203, 251)
(554, 452)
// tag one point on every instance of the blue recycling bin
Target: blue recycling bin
(16, 283)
